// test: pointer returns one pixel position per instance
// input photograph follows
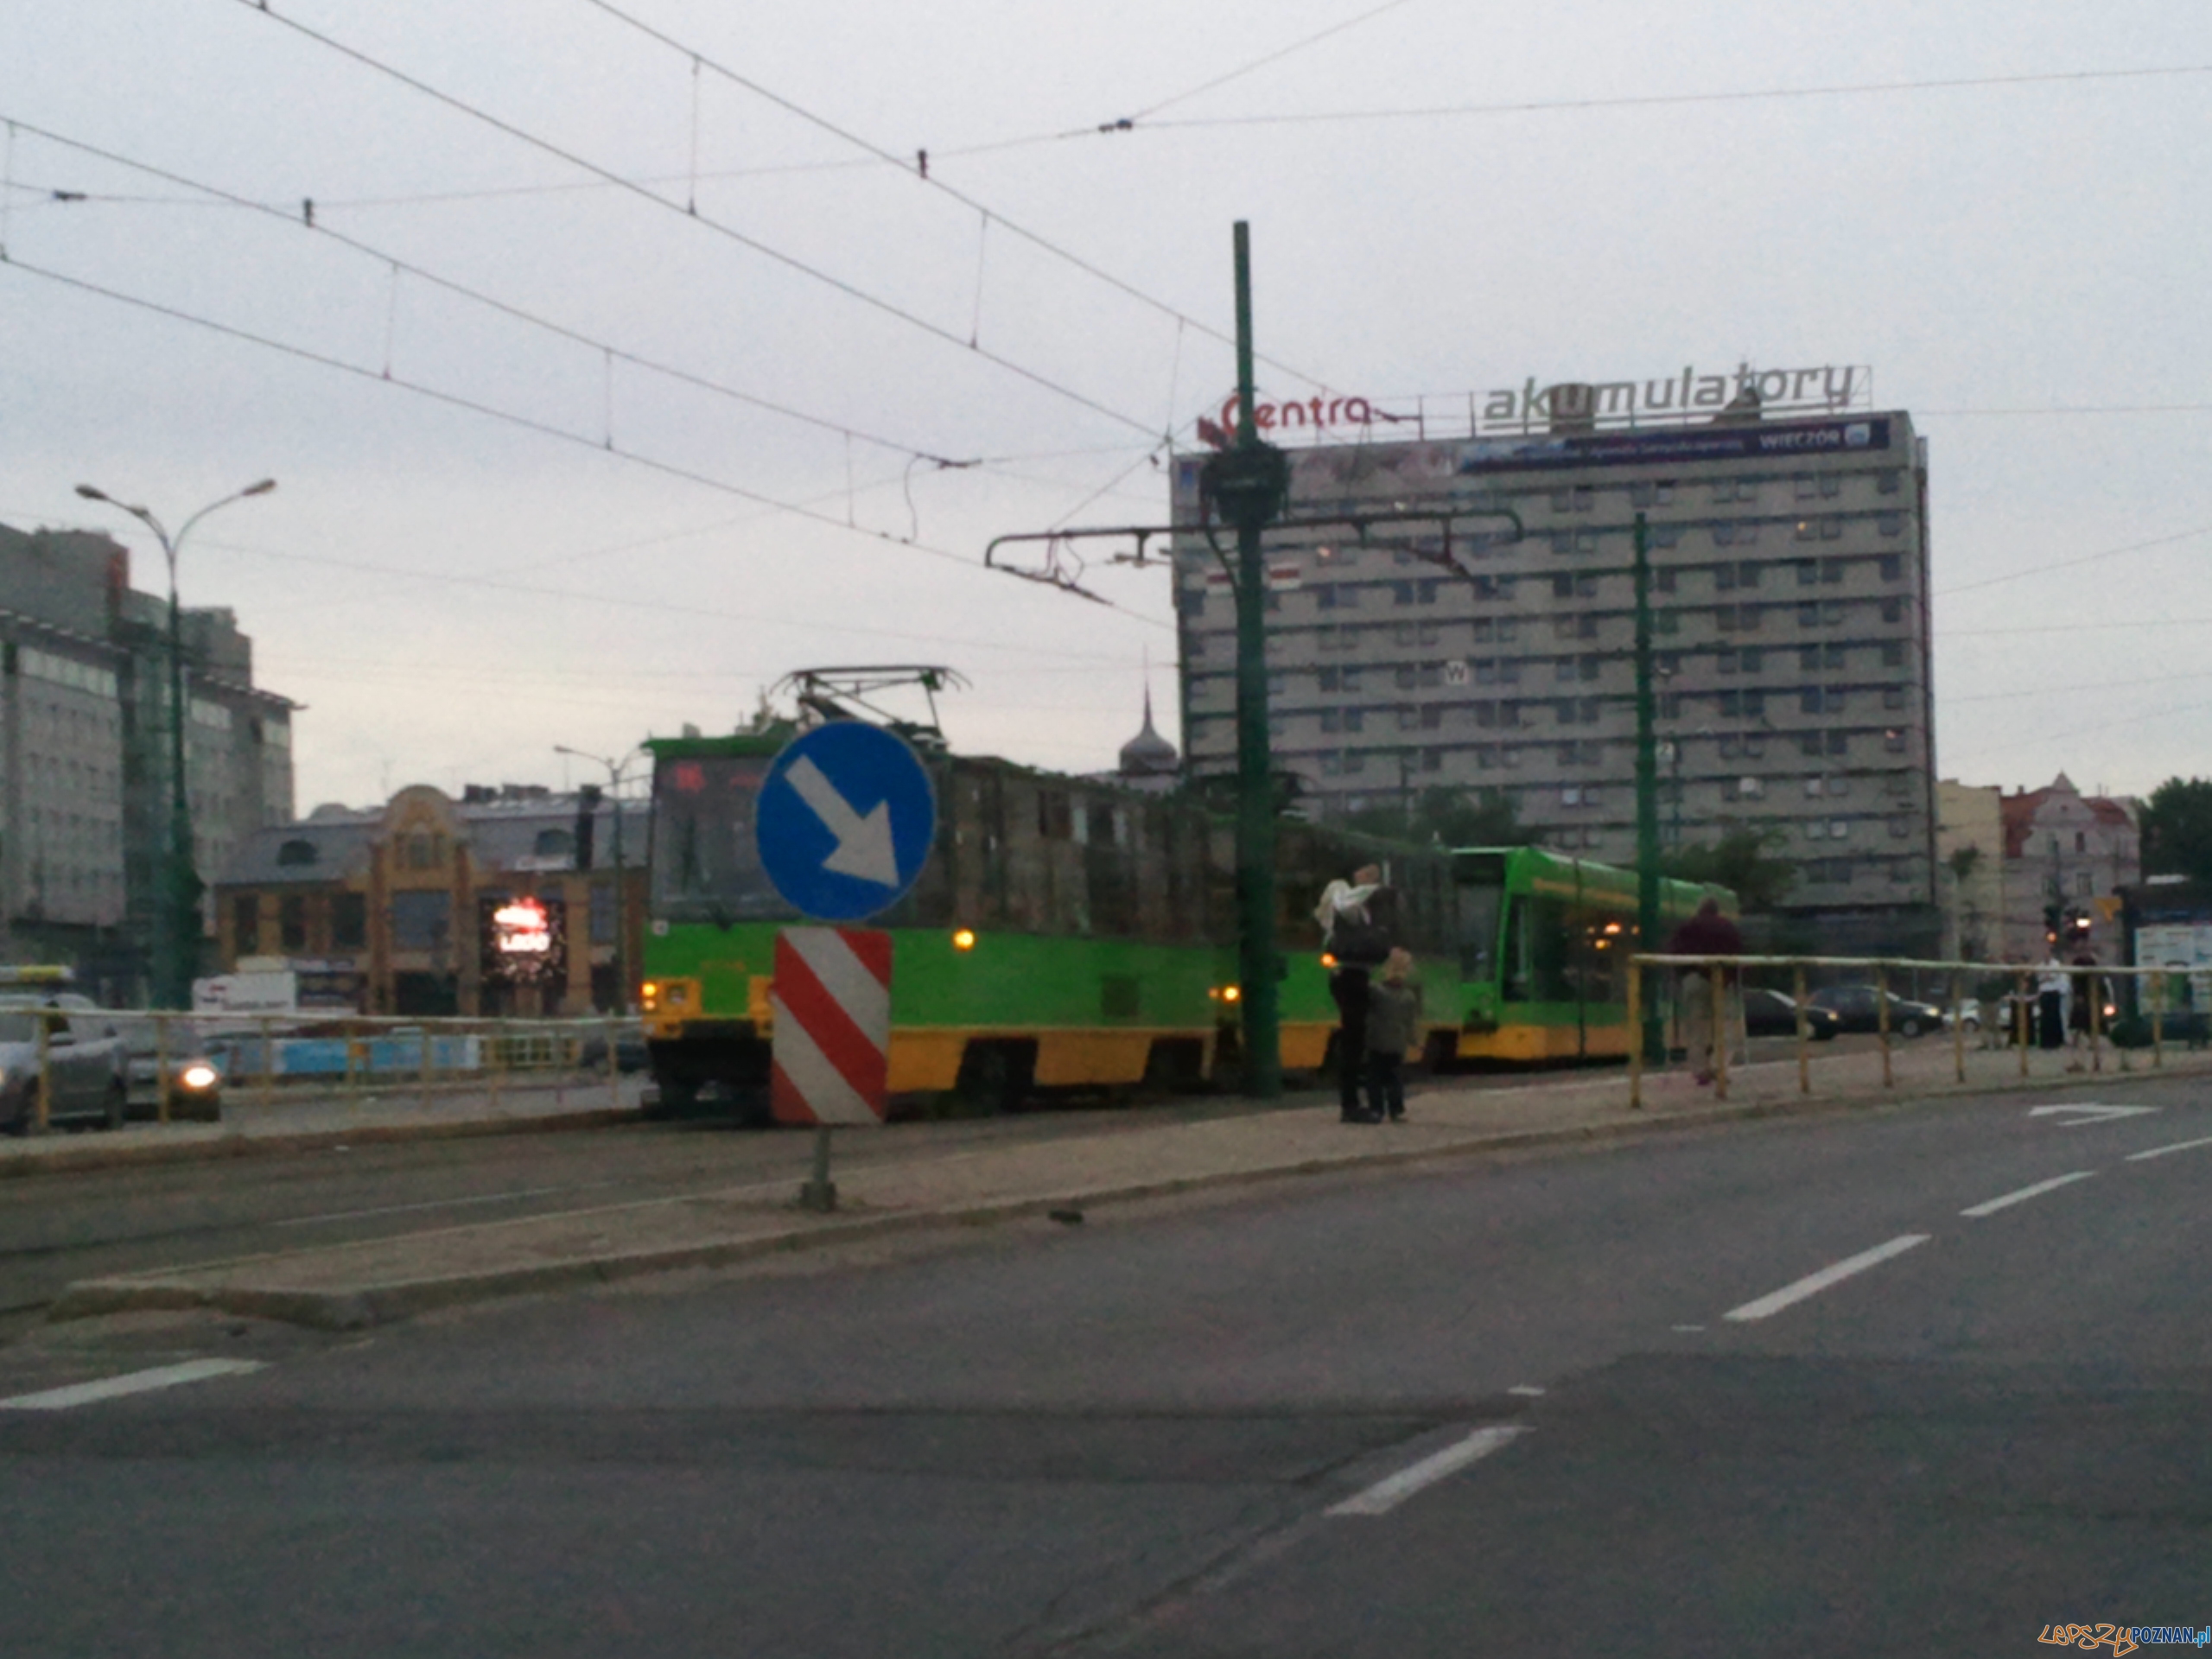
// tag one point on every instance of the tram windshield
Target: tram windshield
(706, 866)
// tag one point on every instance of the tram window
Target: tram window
(705, 866)
(1515, 968)
(1550, 952)
(1479, 903)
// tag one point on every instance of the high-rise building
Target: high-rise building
(1788, 565)
(85, 752)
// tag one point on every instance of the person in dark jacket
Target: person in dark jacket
(1393, 1023)
(1705, 1022)
(1357, 943)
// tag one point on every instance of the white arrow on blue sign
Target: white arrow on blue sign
(846, 818)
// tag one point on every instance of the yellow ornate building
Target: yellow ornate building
(505, 901)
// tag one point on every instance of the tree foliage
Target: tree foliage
(1447, 818)
(2177, 829)
(1744, 860)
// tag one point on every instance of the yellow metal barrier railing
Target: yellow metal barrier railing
(2087, 984)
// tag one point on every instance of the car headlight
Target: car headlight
(199, 1075)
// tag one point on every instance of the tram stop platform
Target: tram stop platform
(931, 1187)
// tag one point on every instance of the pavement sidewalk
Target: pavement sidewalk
(348, 1285)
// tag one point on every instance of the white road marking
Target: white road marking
(1529, 1388)
(2091, 1113)
(112, 1388)
(1689, 1327)
(2026, 1192)
(440, 1203)
(1386, 1495)
(1813, 1284)
(2160, 1152)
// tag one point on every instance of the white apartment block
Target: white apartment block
(1789, 589)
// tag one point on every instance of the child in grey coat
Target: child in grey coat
(1393, 1021)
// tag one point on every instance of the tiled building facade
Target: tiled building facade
(1789, 592)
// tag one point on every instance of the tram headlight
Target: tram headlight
(1328, 960)
(649, 995)
(1232, 993)
(199, 1075)
(963, 938)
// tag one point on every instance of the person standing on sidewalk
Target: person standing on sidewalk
(1705, 1017)
(2054, 990)
(1393, 1021)
(1356, 943)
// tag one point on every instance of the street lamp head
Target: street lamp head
(262, 488)
(91, 494)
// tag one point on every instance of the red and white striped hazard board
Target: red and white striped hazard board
(831, 998)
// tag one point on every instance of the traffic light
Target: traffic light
(2051, 923)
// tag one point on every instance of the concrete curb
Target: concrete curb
(75, 1160)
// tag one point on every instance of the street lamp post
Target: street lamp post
(177, 951)
(618, 768)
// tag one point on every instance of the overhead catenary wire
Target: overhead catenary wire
(2069, 564)
(321, 227)
(767, 250)
(526, 423)
(495, 583)
(886, 155)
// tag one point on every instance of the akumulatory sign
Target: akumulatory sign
(1689, 395)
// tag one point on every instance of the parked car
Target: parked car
(1969, 1014)
(1771, 1013)
(85, 1068)
(629, 1053)
(195, 1080)
(1859, 1008)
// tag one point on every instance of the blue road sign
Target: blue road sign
(846, 819)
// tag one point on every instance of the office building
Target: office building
(85, 752)
(1489, 645)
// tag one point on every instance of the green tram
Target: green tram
(1067, 933)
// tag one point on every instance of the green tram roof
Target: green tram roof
(1537, 868)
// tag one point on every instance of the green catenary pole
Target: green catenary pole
(1647, 788)
(1249, 484)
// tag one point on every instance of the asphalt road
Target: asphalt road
(1869, 1385)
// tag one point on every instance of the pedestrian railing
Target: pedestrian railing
(267, 1059)
(2160, 1006)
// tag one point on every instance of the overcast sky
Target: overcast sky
(451, 593)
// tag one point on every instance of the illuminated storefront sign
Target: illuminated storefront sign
(523, 927)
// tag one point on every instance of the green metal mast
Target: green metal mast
(1250, 485)
(1647, 788)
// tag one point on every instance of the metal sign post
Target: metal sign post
(847, 818)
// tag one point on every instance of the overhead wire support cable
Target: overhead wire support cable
(1661, 101)
(1125, 123)
(790, 261)
(919, 170)
(322, 228)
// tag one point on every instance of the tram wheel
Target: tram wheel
(996, 1077)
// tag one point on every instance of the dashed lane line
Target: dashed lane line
(2008, 1199)
(1814, 1283)
(114, 1388)
(2160, 1152)
(1387, 1494)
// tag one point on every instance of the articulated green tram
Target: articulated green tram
(1069, 933)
